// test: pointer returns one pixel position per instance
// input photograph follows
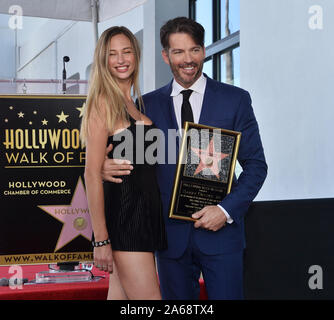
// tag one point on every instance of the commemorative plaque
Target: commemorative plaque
(204, 170)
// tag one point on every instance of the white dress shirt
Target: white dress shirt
(196, 102)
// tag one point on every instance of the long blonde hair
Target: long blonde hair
(103, 88)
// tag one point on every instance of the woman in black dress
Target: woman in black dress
(126, 218)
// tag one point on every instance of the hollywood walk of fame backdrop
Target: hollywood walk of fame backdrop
(205, 169)
(44, 214)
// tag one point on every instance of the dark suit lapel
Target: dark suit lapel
(169, 114)
(207, 114)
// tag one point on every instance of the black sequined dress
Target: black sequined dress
(133, 208)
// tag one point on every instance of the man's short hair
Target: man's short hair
(182, 25)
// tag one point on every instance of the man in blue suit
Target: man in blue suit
(214, 244)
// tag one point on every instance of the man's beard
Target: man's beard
(178, 76)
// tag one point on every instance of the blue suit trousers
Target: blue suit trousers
(222, 274)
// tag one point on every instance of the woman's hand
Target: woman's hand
(103, 259)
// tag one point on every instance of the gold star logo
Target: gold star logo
(44, 122)
(62, 117)
(20, 114)
(81, 109)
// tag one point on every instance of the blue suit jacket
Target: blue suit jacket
(226, 107)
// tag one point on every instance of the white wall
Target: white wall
(7, 52)
(165, 10)
(44, 42)
(156, 13)
(78, 44)
(36, 46)
(288, 68)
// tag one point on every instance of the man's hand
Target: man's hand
(210, 218)
(115, 167)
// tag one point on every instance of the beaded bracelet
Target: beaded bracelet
(100, 243)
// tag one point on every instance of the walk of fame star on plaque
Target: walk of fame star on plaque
(209, 159)
(209, 156)
(205, 169)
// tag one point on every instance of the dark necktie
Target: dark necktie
(186, 111)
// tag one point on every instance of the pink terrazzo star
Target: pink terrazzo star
(209, 158)
(75, 217)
